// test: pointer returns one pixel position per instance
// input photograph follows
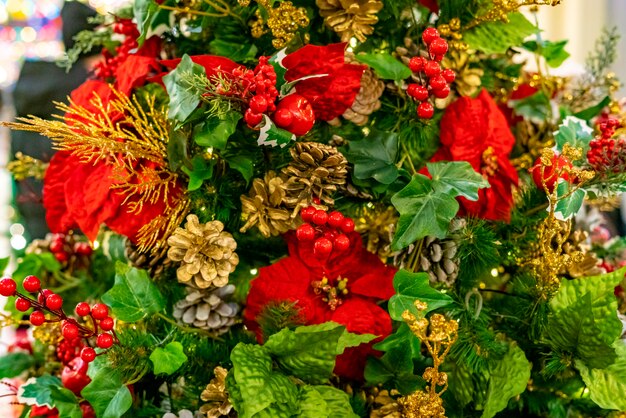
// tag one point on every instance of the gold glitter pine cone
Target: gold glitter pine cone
(155, 264)
(584, 265)
(367, 100)
(217, 396)
(263, 207)
(317, 170)
(350, 18)
(468, 79)
(206, 253)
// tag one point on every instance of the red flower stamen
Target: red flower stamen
(333, 294)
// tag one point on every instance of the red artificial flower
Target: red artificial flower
(134, 72)
(432, 5)
(334, 91)
(43, 411)
(213, 65)
(297, 278)
(475, 130)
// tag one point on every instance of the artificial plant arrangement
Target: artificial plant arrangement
(325, 208)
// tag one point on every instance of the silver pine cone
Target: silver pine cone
(208, 310)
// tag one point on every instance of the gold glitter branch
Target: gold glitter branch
(501, 8)
(438, 335)
(25, 166)
(283, 21)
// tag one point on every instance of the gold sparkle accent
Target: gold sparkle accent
(220, 8)
(333, 295)
(451, 31)
(25, 166)
(438, 334)
(501, 8)
(283, 21)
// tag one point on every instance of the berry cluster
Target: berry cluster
(607, 154)
(48, 302)
(327, 231)
(126, 28)
(262, 84)
(434, 82)
(66, 248)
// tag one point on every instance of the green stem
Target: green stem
(185, 328)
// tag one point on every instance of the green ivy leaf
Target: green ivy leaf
(536, 107)
(423, 212)
(568, 206)
(410, 287)
(309, 352)
(497, 37)
(259, 391)
(169, 358)
(38, 391)
(66, 402)
(324, 402)
(234, 50)
(553, 52)
(107, 394)
(394, 369)
(216, 130)
(402, 337)
(133, 296)
(183, 99)
(375, 157)
(202, 170)
(607, 386)
(151, 19)
(593, 111)
(272, 135)
(241, 163)
(385, 66)
(177, 155)
(508, 377)
(457, 178)
(575, 132)
(13, 364)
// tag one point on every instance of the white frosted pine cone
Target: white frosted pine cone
(208, 309)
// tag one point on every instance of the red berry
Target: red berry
(320, 217)
(56, 246)
(99, 311)
(437, 82)
(69, 330)
(342, 242)
(307, 213)
(438, 46)
(412, 88)
(252, 118)
(82, 309)
(301, 112)
(83, 248)
(88, 354)
(322, 247)
(442, 93)
(347, 226)
(22, 305)
(316, 200)
(429, 35)
(61, 256)
(335, 219)
(432, 69)
(448, 75)
(438, 58)
(421, 93)
(107, 323)
(425, 110)
(37, 318)
(7, 287)
(43, 295)
(54, 302)
(104, 341)
(258, 104)
(31, 284)
(416, 64)
(305, 232)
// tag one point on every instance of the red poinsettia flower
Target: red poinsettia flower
(475, 130)
(336, 88)
(432, 5)
(317, 293)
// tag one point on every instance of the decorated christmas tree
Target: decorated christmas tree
(329, 208)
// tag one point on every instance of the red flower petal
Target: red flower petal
(431, 5)
(84, 94)
(213, 64)
(133, 72)
(58, 216)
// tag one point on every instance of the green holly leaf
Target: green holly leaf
(276, 61)
(497, 37)
(575, 132)
(38, 391)
(423, 212)
(216, 130)
(169, 358)
(183, 99)
(65, 402)
(272, 135)
(202, 170)
(13, 364)
(394, 369)
(536, 107)
(107, 393)
(553, 52)
(411, 287)
(607, 386)
(259, 391)
(402, 337)
(385, 66)
(508, 377)
(457, 178)
(375, 157)
(133, 297)
(324, 402)
(309, 352)
(568, 205)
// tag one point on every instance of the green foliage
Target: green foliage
(107, 393)
(13, 364)
(536, 107)
(593, 111)
(38, 391)
(607, 386)
(216, 130)
(65, 402)
(272, 135)
(569, 202)
(150, 18)
(478, 251)
(202, 170)
(553, 52)
(85, 42)
(411, 287)
(134, 296)
(385, 66)
(394, 370)
(575, 132)
(404, 338)
(496, 37)
(324, 401)
(276, 316)
(427, 205)
(169, 358)
(374, 157)
(183, 98)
